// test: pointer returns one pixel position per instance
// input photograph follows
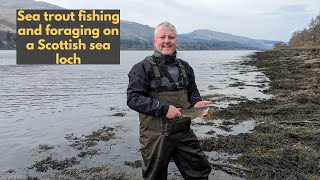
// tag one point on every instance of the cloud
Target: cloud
(272, 19)
(293, 8)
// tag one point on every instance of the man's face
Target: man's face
(165, 40)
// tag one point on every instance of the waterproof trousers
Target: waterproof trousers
(162, 140)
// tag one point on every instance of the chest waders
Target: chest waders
(162, 139)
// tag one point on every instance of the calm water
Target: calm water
(40, 104)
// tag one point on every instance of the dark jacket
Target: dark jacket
(141, 77)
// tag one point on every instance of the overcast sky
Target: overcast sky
(269, 19)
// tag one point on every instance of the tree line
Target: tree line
(306, 38)
(138, 44)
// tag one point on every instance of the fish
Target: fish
(194, 112)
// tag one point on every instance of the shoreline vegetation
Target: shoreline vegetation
(285, 143)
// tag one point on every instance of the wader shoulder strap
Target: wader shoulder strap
(154, 66)
(183, 71)
(156, 71)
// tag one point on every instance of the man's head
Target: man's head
(165, 38)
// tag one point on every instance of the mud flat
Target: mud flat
(285, 143)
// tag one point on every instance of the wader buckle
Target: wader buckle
(178, 85)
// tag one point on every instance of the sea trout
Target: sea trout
(194, 112)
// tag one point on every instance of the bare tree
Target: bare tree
(307, 37)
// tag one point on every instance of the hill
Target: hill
(134, 36)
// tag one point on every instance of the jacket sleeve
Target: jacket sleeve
(137, 93)
(193, 92)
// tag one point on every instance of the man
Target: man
(159, 86)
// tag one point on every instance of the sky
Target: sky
(256, 19)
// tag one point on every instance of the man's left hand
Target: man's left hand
(203, 103)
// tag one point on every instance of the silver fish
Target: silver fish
(194, 112)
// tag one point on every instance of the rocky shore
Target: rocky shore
(285, 143)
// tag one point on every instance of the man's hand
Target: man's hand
(173, 112)
(203, 103)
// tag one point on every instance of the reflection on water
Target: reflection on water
(40, 104)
